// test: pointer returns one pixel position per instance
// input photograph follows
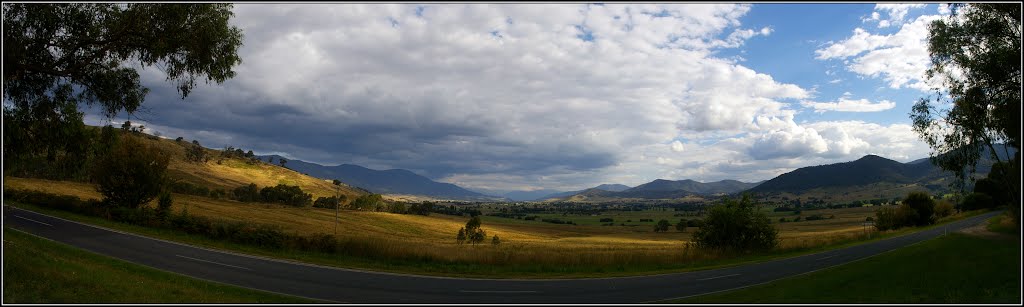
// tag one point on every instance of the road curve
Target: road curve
(354, 286)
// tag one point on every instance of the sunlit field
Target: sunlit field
(433, 236)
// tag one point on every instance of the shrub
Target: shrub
(367, 202)
(495, 240)
(246, 193)
(736, 225)
(975, 201)
(163, 208)
(923, 206)
(286, 194)
(326, 202)
(131, 174)
(662, 225)
(607, 220)
(943, 209)
(397, 207)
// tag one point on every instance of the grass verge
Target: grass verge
(467, 269)
(37, 270)
(1003, 224)
(955, 268)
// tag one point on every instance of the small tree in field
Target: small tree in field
(472, 231)
(131, 174)
(736, 225)
(461, 236)
(661, 226)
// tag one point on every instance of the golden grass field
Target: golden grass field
(232, 173)
(433, 236)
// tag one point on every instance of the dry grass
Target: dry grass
(232, 173)
(433, 237)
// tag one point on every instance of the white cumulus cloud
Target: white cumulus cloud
(845, 104)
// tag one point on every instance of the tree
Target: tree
(282, 161)
(472, 231)
(461, 236)
(58, 56)
(923, 206)
(737, 225)
(681, 226)
(976, 54)
(246, 193)
(368, 201)
(195, 152)
(495, 240)
(662, 225)
(132, 174)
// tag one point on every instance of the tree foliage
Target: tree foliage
(472, 233)
(923, 207)
(58, 56)
(368, 202)
(661, 226)
(976, 54)
(131, 174)
(737, 225)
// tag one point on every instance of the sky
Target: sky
(521, 97)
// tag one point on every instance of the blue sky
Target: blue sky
(519, 97)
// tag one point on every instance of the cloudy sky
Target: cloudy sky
(502, 97)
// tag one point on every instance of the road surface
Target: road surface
(355, 286)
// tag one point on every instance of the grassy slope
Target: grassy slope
(232, 173)
(42, 271)
(956, 268)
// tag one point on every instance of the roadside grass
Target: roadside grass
(37, 271)
(952, 269)
(1003, 223)
(508, 260)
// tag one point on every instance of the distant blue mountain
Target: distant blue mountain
(392, 181)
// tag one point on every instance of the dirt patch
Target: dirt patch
(981, 231)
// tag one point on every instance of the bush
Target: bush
(607, 220)
(367, 202)
(662, 226)
(943, 209)
(923, 206)
(326, 202)
(246, 193)
(736, 225)
(163, 208)
(131, 174)
(975, 201)
(286, 194)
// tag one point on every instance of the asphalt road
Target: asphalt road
(354, 286)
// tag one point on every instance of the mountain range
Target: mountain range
(871, 176)
(392, 181)
(855, 179)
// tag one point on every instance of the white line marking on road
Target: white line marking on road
(497, 291)
(823, 258)
(25, 218)
(214, 262)
(717, 277)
